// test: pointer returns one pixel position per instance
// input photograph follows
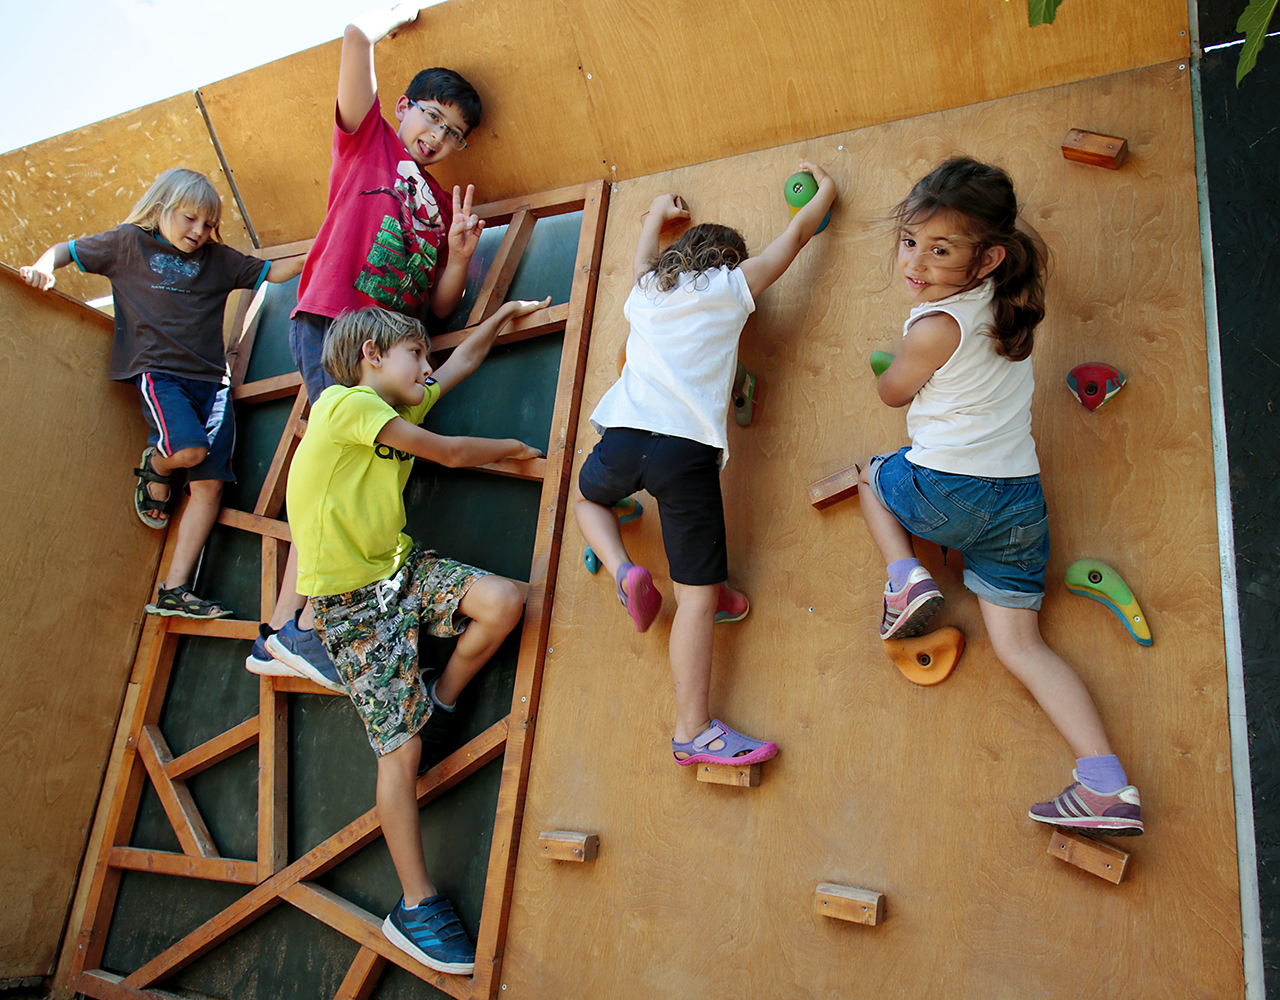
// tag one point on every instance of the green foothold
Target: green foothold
(1097, 581)
(880, 362)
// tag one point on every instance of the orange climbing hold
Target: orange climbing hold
(929, 658)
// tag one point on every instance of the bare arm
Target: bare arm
(927, 346)
(464, 237)
(286, 268)
(357, 85)
(40, 274)
(663, 209)
(466, 357)
(764, 270)
(453, 452)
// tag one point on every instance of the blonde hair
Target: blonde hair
(344, 343)
(175, 189)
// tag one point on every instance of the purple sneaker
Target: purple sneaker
(1080, 808)
(907, 611)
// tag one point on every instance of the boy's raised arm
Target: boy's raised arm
(453, 452)
(40, 274)
(764, 270)
(662, 210)
(357, 84)
(466, 357)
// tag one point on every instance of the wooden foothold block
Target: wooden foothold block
(566, 845)
(727, 774)
(844, 902)
(1095, 149)
(1091, 855)
(929, 658)
(833, 489)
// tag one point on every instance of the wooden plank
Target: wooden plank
(535, 324)
(366, 930)
(532, 469)
(217, 628)
(255, 523)
(320, 859)
(491, 940)
(1097, 150)
(271, 496)
(503, 268)
(724, 774)
(1091, 855)
(567, 845)
(362, 977)
(827, 492)
(104, 985)
(179, 806)
(213, 869)
(214, 751)
(273, 780)
(264, 390)
(844, 902)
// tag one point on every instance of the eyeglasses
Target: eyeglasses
(436, 123)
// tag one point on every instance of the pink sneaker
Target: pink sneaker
(733, 606)
(1080, 808)
(638, 595)
(907, 611)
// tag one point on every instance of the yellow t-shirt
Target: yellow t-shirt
(346, 492)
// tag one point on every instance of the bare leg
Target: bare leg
(193, 530)
(289, 602)
(1015, 635)
(893, 540)
(494, 605)
(397, 801)
(690, 648)
(599, 525)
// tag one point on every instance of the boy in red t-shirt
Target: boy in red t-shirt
(391, 237)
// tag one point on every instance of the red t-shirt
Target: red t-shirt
(385, 231)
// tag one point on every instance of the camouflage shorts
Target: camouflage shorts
(372, 636)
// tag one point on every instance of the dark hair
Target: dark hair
(702, 248)
(982, 198)
(446, 87)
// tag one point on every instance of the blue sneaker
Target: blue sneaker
(302, 650)
(260, 660)
(431, 933)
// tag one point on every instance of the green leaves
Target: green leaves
(1044, 11)
(1253, 22)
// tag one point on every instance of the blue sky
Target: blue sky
(69, 63)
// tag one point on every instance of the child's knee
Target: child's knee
(494, 601)
(401, 764)
(187, 458)
(206, 489)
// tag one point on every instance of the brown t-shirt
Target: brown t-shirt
(169, 305)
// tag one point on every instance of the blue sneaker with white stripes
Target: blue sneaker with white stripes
(302, 650)
(431, 933)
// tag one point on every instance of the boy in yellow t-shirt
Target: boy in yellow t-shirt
(372, 588)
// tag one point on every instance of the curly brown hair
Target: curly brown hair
(702, 248)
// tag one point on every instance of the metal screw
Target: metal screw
(522, 698)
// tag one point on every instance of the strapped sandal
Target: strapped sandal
(738, 750)
(638, 595)
(180, 602)
(146, 505)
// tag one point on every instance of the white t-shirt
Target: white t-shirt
(973, 416)
(682, 355)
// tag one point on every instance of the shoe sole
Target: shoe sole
(269, 668)
(392, 933)
(916, 618)
(302, 667)
(766, 752)
(168, 613)
(643, 600)
(1082, 825)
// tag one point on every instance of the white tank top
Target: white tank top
(973, 416)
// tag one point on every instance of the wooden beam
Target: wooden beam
(536, 324)
(273, 780)
(255, 523)
(362, 976)
(560, 201)
(266, 390)
(503, 268)
(217, 628)
(185, 866)
(214, 751)
(534, 469)
(104, 985)
(176, 798)
(271, 497)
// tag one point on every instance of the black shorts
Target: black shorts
(684, 477)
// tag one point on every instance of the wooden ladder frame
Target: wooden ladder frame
(140, 752)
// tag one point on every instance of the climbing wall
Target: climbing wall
(917, 793)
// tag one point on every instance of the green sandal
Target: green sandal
(181, 602)
(146, 506)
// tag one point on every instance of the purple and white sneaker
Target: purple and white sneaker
(907, 611)
(1080, 808)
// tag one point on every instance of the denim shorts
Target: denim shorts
(1000, 526)
(684, 477)
(306, 342)
(190, 413)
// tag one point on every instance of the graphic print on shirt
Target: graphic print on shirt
(173, 269)
(397, 269)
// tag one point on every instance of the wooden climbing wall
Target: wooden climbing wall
(919, 793)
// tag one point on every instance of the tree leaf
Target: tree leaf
(1253, 23)
(1044, 11)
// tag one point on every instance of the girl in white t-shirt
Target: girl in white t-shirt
(970, 480)
(663, 425)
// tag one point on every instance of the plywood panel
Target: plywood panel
(275, 123)
(77, 567)
(577, 90)
(917, 793)
(86, 182)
